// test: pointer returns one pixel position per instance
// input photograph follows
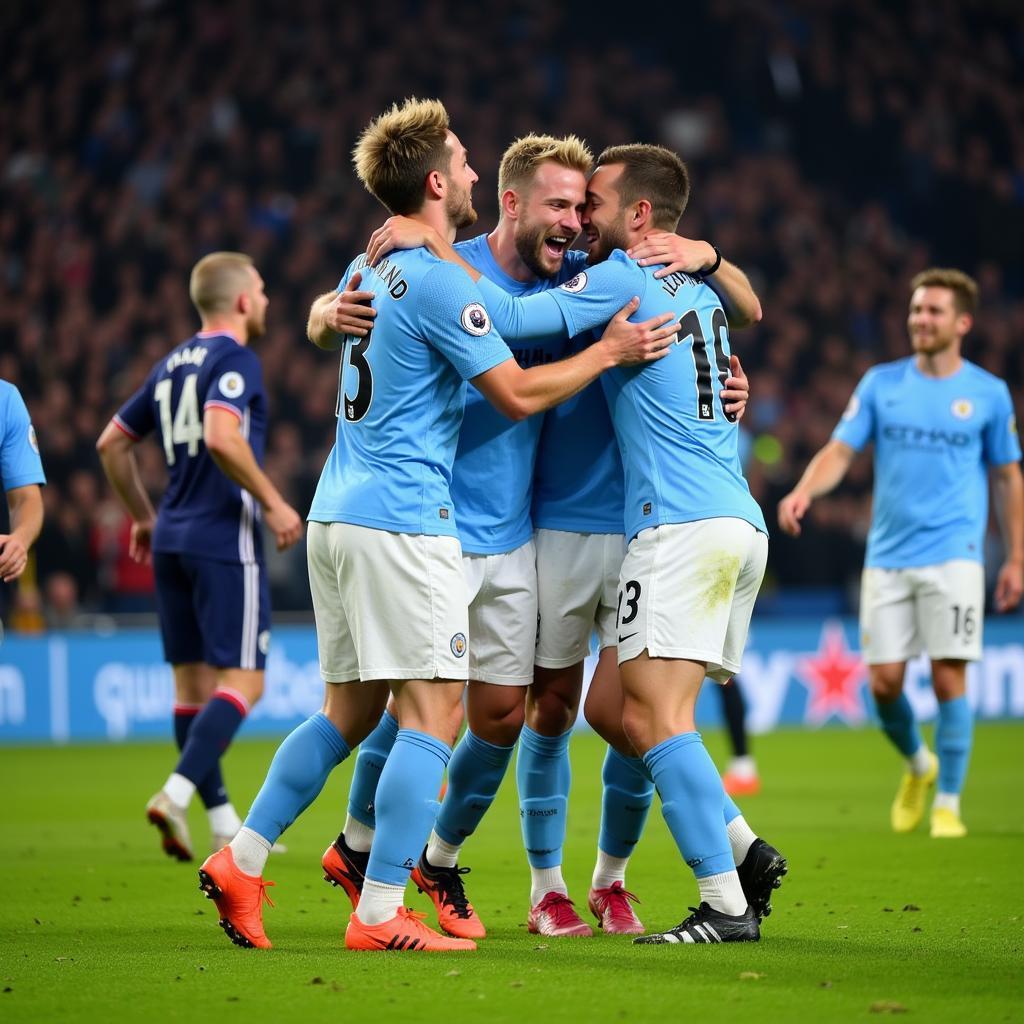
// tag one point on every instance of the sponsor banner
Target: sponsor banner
(68, 687)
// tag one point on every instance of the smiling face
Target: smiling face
(604, 218)
(934, 322)
(458, 203)
(548, 217)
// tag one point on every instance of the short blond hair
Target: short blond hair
(218, 279)
(963, 287)
(397, 150)
(520, 161)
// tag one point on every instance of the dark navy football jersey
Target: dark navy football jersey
(202, 512)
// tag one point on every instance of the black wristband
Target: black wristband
(714, 266)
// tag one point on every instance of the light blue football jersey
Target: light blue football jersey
(401, 392)
(493, 471)
(20, 464)
(934, 440)
(679, 451)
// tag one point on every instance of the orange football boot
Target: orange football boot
(404, 932)
(239, 898)
(345, 868)
(455, 914)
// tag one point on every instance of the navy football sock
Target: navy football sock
(211, 789)
(210, 735)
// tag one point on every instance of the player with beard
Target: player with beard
(207, 405)
(941, 426)
(389, 593)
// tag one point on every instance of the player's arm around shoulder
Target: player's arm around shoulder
(341, 312)
(518, 393)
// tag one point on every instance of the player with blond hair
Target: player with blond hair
(389, 592)
(941, 427)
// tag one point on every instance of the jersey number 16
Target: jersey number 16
(690, 327)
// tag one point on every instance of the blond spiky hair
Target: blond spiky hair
(398, 149)
(521, 160)
(963, 287)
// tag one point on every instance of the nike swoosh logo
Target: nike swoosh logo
(623, 639)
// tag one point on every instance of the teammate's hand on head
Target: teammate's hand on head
(634, 343)
(13, 557)
(678, 254)
(397, 233)
(285, 523)
(736, 390)
(351, 313)
(140, 543)
(1009, 586)
(792, 509)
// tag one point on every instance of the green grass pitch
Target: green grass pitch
(96, 924)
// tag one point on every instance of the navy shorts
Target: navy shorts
(217, 612)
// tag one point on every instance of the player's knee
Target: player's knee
(500, 722)
(886, 682)
(638, 727)
(551, 713)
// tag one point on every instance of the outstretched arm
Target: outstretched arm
(823, 473)
(1008, 492)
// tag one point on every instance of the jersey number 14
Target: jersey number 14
(183, 425)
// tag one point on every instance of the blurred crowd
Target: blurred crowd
(835, 149)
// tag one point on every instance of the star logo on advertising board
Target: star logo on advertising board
(834, 678)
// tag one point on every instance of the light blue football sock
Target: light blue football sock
(729, 808)
(953, 735)
(543, 776)
(474, 775)
(297, 774)
(692, 800)
(628, 793)
(899, 724)
(406, 805)
(373, 752)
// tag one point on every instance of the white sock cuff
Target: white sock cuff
(358, 836)
(179, 789)
(250, 851)
(741, 838)
(608, 870)
(441, 854)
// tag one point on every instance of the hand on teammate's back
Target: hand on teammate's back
(678, 254)
(736, 390)
(634, 343)
(351, 313)
(285, 524)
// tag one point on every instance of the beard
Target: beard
(529, 243)
(610, 238)
(255, 326)
(932, 344)
(458, 207)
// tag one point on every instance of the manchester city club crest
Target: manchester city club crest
(962, 408)
(458, 645)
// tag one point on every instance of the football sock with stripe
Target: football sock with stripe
(406, 806)
(373, 752)
(211, 790)
(474, 775)
(899, 724)
(297, 774)
(953, 734)
(625, 802)
(543, 775)
(210, 736)
(692, 801)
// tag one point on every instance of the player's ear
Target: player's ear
(243, 303)
(510, 203)
(641, 214)
(435, 185)
(964, 323)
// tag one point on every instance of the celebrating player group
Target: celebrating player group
(465, 543)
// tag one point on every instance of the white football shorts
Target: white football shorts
(577, 586)
(938, 609)
(387, 605)
(687, 590)
(502, 615)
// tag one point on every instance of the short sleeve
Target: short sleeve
(1001, 443)
(454, 320)
(20, 464)
(857, 425)
(135, 417)
(596, 294)
(235, 381)
(522, 318)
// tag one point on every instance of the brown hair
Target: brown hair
(217, 280)
(398, 149)
(520, 161)
(963, 287)
(652, 173)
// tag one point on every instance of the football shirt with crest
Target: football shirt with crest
(935, 438)
(202, 512)
(679, 450)
(401, 396)
(20, 464)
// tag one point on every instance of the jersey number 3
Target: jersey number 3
(183, 425)
(358, 405)
(690, 327)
